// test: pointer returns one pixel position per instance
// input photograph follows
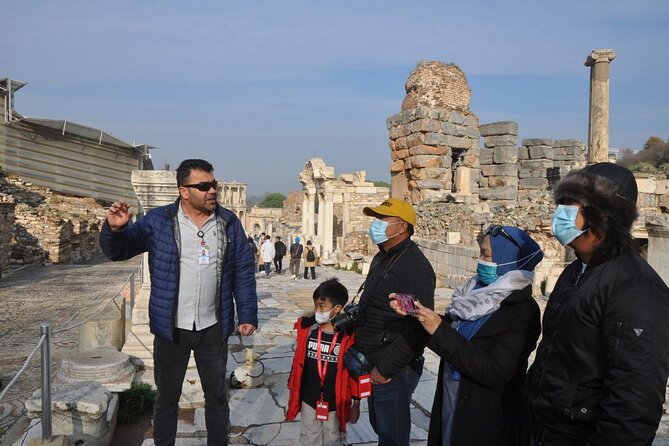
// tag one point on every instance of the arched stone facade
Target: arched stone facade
(332, 207)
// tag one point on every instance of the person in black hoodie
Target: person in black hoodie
(601, 369)
(484, 340)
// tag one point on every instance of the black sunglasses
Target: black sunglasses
(203, 186)
(496, 230)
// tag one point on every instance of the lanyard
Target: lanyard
(323, 368)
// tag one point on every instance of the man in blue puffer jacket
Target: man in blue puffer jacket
(199, 262)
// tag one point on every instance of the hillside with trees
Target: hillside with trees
(652, 159)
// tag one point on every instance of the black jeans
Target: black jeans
(313, 272)
(278, 264)
(170, 364)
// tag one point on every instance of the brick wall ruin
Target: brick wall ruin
(6, 221)
(47, 227)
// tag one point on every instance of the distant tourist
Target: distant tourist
(295, 258)
(393, 344)
(267, 254)
(310, 257)
(600, 372)
(484, 340)
(319, 385)
(261, 262)
(280, 253)
(187, 311)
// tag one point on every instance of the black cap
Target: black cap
(622, 177)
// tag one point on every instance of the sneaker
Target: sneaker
(313, 279)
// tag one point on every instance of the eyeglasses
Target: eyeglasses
(203, 186)
(496, 230)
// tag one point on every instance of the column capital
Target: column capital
(600, 56)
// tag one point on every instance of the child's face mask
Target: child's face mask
(323, 317)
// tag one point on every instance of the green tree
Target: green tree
(273, 200)
(381, 184)
(651, 159)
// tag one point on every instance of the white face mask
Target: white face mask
(322, 318)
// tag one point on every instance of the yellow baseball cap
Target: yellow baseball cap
(392, 207)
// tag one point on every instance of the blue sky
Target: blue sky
(259, 87)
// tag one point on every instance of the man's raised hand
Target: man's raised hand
(118, 215)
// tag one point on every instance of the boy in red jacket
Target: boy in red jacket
(319, 384)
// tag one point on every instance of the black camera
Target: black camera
(348, 318)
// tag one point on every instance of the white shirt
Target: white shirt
(197, 279)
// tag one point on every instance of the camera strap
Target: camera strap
(391, 263)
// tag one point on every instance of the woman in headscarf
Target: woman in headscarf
(484, 340)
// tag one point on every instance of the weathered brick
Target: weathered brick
(499, 128)
(500, 140)
(533, 183)
(506, 170)
(505, 155)
(539, 152)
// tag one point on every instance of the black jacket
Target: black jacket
(389, 341)
(491, 406)
(600, 374)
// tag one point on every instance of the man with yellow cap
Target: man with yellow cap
(393, 344)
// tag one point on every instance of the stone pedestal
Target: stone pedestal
(599, 62)
(85, 412)
(108, 367)
(658, 244)
(106, 328)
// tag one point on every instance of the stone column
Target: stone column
(328, 218)
(311, 215)
(153, 188)
(305, 213)
(598, 127)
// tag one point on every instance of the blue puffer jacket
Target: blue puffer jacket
(158, 234)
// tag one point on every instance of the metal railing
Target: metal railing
(44, 344)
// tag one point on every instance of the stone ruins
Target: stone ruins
(332, 208)
(458, 186)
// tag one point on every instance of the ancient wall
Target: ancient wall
(6, 222)
(51, 228)
(434, 135)
(453, 264)
(292, 207)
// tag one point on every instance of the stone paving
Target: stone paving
(53, 294)
(257, 415)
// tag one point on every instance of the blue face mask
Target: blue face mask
(377, 231)
(486, 272)
(564, 224)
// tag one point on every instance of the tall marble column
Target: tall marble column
(311, 215)
(599, 62)
(305, 213)
(328, 217)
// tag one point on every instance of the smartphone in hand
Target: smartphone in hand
(406, 302)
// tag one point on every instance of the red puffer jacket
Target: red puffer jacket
(346, 386)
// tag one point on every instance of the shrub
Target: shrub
(135, 403)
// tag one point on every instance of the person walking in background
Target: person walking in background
(484, 340)
(319, 385)
(201, 268)
(600, 373)
(310, 260)
(393, 344)
(280, 252)
(295, 258)
(261, 262)
(267, 254)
